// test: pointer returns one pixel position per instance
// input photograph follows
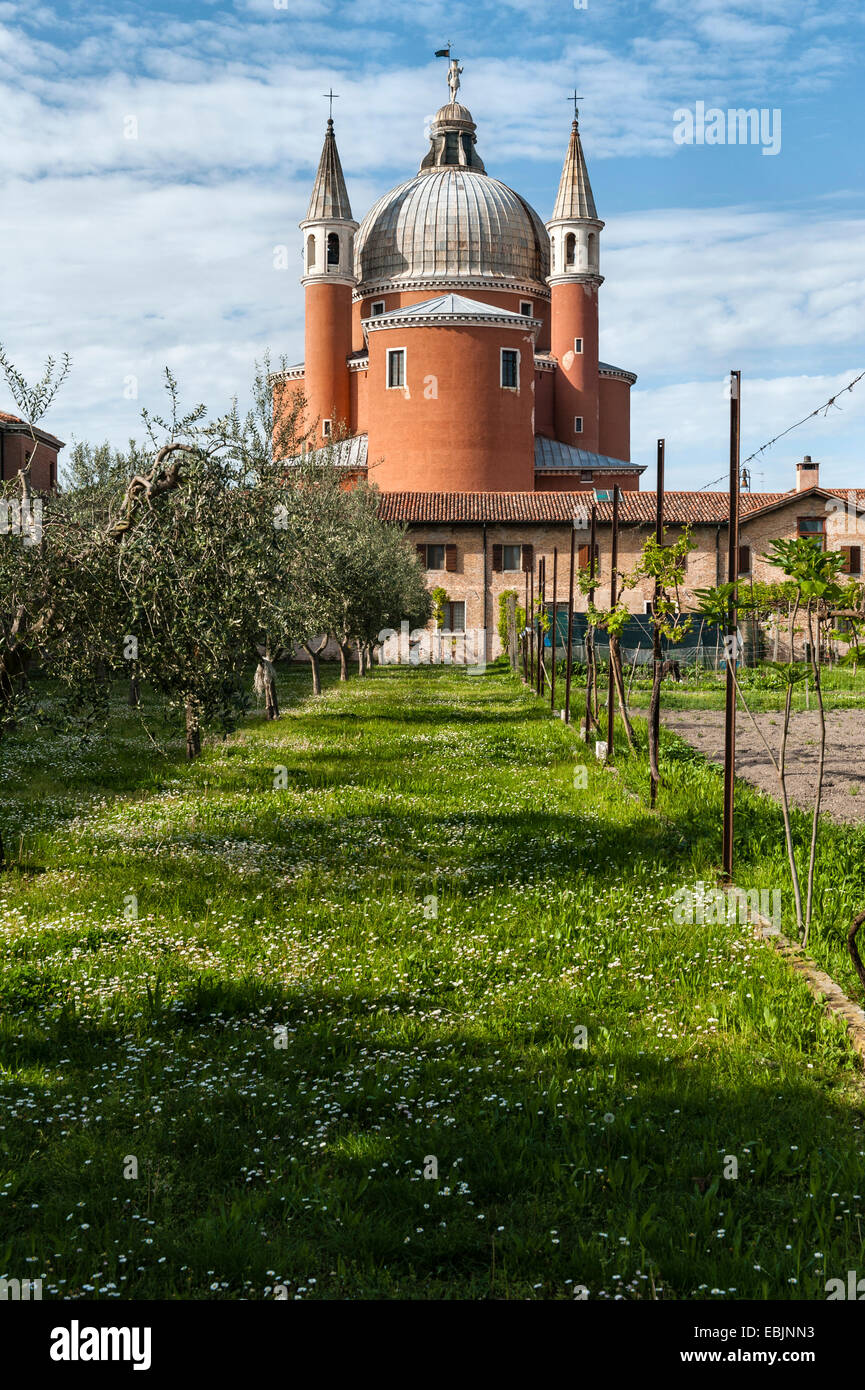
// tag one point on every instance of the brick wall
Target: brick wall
(16, 448)
(707, 565)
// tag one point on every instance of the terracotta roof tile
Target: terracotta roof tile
(696, 508)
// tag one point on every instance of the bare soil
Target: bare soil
(844, 773)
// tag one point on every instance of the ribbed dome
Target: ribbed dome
(451, 223)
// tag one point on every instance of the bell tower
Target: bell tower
(575, 278)
(328, 279)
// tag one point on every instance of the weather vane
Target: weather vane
(331, 96)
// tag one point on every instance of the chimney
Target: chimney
(807, 474)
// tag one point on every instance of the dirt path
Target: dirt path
(844, 776)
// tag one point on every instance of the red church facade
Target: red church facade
(453, 336)
(452, 358)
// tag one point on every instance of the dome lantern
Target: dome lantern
(452, 140)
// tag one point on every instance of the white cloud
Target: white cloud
(693, 417)
(137, 253)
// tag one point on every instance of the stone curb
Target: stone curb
(821, 985)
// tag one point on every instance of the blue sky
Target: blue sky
(131, 253)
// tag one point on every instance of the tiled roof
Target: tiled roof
(607, 367)
(480, 506)
(42, 435)
(448, 304)
(680, 508)
(344, 453)
(449, 309)
(551, 455)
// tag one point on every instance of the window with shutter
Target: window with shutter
(744, 559)
(583, 558)
(451, 558)
(855, 559)
(511, 557)
(528, 559)
(421, 550)
(497, 558)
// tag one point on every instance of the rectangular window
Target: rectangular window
(586, 475)
(526, 307)
(455, 616)
(512, 557)
(510, 369)
(852, 559)
(744, 559)
(813, 526)
(376, 308)
(435, 557)
(325, 428)
(578, 345)
(578, 424)
(395, 367)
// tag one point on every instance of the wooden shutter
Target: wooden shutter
(528, 559)
(583, 558)
(744, 559)
(852, 559)
(497, 558)
(421, 550)
(451, 559)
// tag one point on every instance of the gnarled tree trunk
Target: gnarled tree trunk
(193, 732)
(264, 685)
(314, 654)
(344, 653)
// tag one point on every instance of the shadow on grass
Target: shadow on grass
(614, 1140)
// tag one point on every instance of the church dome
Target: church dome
(451, 223)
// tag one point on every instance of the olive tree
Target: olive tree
(59, 597)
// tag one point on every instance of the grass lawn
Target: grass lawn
(367, 937)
